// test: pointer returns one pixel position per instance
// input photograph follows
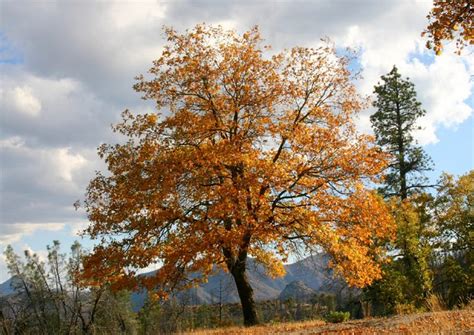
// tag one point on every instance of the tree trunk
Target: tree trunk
(245, 291)
(401, 152)
(236, 264)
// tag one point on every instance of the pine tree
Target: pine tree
(407, 281)
(393, 124)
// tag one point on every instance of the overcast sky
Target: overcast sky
(67, 69)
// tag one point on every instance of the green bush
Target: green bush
(336, 317)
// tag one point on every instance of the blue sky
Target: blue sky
(454, 151)
(67, 71)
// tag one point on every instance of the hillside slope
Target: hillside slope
(312, 271)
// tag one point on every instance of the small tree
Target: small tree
(412, 253)
(251, 155)
(47, 298)
(393, 124)
(454, 221)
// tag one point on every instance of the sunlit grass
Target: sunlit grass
(446, 322)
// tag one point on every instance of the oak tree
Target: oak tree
(247, 155)
(450, 20)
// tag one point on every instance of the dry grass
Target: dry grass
(435, 303)
(446, 322)
(280, 328)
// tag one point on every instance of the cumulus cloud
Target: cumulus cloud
(104, 45)
(76, 228)
(41, 184)
(58, 164)
(53, 111)
(20, 100)
(447, 73)
(393, 38)
(11, 233)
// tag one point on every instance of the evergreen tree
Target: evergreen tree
(408, 279)
(393, 124)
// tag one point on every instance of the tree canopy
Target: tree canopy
(247, 155)
(450, 20)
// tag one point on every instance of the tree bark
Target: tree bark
(245, 291)
(236, 264)
(401, 151)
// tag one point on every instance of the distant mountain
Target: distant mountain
(296, 290)
(312, 272)
(8, 287)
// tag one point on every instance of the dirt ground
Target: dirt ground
(447, 322)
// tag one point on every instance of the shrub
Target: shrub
(336, 317)
(435, 303)
(403, 309)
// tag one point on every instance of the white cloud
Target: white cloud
(11, 233)
(227, 24)
(353, 37)
(443, 87)
(70, 113)
(67, 163)
(41, 184)
(20, 100)
(130, 14)
(151, 267)
(77, 227)
(12, 142)
(58, 165)
(443, 84)
(122, 38)
(42, 254)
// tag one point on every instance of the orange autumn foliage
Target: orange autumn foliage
(450, 20)
(247, 155)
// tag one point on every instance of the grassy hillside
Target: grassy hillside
(447, 322)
